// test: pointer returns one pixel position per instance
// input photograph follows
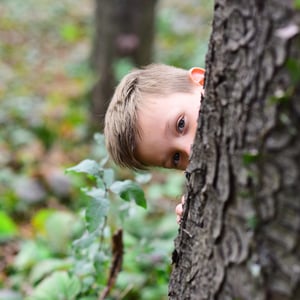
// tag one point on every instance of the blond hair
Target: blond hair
(121, 130)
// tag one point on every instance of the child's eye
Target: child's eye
(176, 159)
(181, 125)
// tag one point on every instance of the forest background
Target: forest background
(45, 84)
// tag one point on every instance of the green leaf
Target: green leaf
(88, 166)
(85, 240)
(97, 209)
(8, 228)
(47, 266)
(119, 186)
(250, 157)
(129, 191)
(95, 193)
(293, 67)
(59, 229)
(58, 285)
(104, 161)
(281, 97)
(253, 222)
(108, 177)
(100, 261)
(39, 220)
(297, 4)
(143, 178)
(70, 32)
(30, 253)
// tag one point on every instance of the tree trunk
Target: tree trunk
(239, 237)
(124, 28)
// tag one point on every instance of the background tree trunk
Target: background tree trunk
(239, 237)
(124, 28)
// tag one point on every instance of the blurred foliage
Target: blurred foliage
(52, 233)
(183, 30)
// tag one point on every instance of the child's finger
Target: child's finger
(182, 199)
(178, 212)
(178, 209)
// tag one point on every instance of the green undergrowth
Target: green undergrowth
(67, 214)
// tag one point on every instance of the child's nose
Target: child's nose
(186, 146)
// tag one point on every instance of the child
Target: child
(152, 117)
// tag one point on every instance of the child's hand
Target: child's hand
(179, 210)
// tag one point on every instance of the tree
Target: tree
(239, 237)
(123, 29)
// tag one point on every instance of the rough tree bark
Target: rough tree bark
(124, 28)
(239, 237)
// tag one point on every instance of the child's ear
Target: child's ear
(197, 75)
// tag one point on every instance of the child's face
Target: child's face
(168, 126)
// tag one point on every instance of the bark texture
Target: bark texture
(124, 28)
(239, 237)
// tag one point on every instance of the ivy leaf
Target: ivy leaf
(30, 253)
(97, 209)
(108, 177)
(128, 191)
(59, 285)
(104, 161)
(88, 166)
(46, 267)
(60, 229)
(85, 240)
(143, 178)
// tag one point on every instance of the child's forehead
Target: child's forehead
(162, 104)
(148, 105)
(160, 99)
(149, 99)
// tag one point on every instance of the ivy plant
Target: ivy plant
(94, 265)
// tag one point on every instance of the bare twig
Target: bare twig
(117, 251)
